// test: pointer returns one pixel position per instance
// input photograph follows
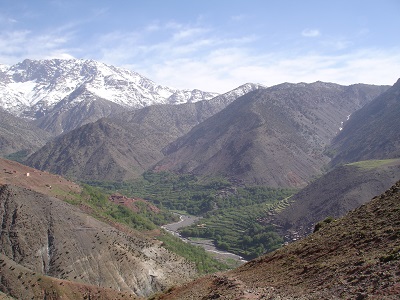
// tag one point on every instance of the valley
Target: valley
(208, 245)
(229, 213)
(112, 186)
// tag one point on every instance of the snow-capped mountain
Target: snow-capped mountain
(33, 88)
(232, 95)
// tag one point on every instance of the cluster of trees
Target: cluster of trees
(102, 207)
(191, 194)
(204, 262)
(249, 243)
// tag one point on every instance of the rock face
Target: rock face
(23, 283)
(355, 257)
(53, 238)
(274, 136)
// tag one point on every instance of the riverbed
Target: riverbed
(208, 245)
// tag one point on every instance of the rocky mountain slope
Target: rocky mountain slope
(18, 135)
(373, 132)
(355, 257)
(275, 136)
(51, 237)
(333, 195)
(126, 145)
(45, 237)
(47, 91)
(24, 283)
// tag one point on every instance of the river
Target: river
(208, 245)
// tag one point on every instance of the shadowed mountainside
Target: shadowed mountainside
(116, 149)
(373, 132)
(336, 193)
(62, 118)
(18, 135)
(273, 136)
(355, 257)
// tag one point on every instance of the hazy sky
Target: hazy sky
(213, 45)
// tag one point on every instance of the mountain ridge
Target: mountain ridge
(275, 136)
(126, 144)
(32, 88)
(372, 132)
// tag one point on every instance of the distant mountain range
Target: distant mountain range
(274, 136)
(124, 146)
(64, 94)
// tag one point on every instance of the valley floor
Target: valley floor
(207, 244)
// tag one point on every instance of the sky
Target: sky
(213, 45)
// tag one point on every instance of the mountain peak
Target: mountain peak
(35, 88)
(397, 84)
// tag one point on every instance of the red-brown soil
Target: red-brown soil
(43, 182)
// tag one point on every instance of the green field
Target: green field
(241, 230)
(372, 164)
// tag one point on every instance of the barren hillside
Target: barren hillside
(53, 238)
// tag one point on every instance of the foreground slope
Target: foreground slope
(23, 283)
(14, 173)
(53, 238)
(273, 136)
(355, 257)
(336, 193)
(373, 132)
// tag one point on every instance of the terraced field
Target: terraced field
(241, 230)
